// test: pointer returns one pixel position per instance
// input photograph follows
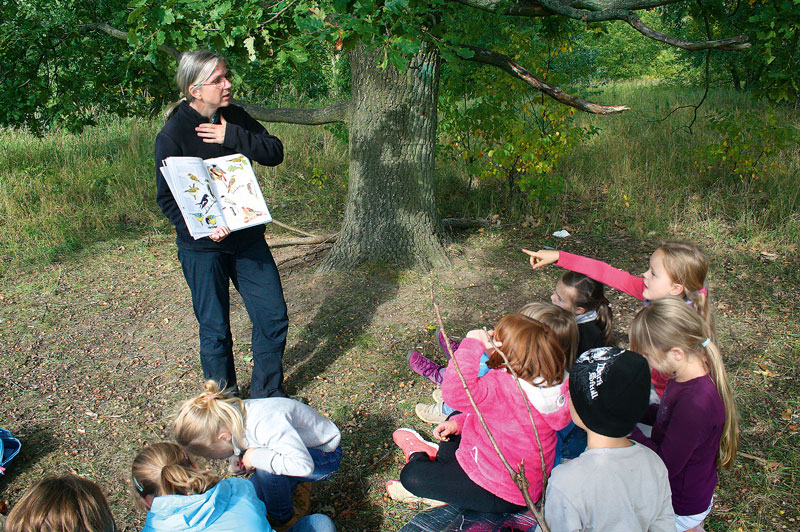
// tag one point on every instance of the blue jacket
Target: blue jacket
(230, 506)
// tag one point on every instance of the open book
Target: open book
(216, 192)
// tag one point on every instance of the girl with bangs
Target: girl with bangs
(464, 470)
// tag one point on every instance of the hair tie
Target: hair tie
(138, 486)
(704, 292)
(705, 342)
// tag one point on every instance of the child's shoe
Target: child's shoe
(425, 366)
(301, 499)
(443, 343)
(398, 493)
(411, 442)
(430, 413)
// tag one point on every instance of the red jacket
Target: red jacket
(499, 400)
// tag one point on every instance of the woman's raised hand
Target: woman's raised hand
(212, 133)
(541, 258)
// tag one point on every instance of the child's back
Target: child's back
(621, 489)
(615, 485)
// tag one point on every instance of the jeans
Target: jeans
(254, 274)
(314, 523)
(570, 444)
(275, 491)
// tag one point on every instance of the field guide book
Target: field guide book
(215, 192)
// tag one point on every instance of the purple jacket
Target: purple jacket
(686, 434)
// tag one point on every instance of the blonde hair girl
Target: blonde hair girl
(695, 428)
(560, 321)
(676, 269)
(67, 503)
(181, 497)
(464, 469)
(283, 441)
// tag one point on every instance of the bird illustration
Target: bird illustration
(239, 159)
(211, 220)
(192, 190)
(216, 173)
(231, 182)
(193, 177)
(250, 214)
(203, 201)
(250, 189)
(198, 216)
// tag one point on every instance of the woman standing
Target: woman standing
(205, 124)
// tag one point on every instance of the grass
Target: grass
(99, 342)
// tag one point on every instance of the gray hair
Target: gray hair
(194, 69)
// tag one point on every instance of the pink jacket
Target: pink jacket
(617, 279)
(501, 404)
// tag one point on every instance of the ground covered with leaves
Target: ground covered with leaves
(97, 352)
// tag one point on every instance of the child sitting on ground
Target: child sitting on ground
(578, 294)
(695, 430)
(67, 503)
(464, 470)
(615, 485)
(560, 321)
(585, 298)
(286, 443)
(180, 497)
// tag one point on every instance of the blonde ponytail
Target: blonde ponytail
(729, 442)
(164, 469)
(668, 323)
(200, 420)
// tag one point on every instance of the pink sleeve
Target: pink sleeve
(602, 272)
(468, 356)
(459, 420)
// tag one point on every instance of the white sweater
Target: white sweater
(281, 430)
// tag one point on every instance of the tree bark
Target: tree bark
(390, 214)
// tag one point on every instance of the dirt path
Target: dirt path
(98, 351)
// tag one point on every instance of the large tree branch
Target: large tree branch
(505, 63)
(123, 35)
(602, 11)
(538, 8)
(740, 42)
(337, 112)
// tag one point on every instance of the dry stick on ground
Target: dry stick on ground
(284, 242)
(519, 478)
(290, 228)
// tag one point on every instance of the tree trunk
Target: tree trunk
(390, 214)
(737, 82)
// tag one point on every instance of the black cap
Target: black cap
(610, 390)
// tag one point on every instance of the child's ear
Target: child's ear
(676, 354)
(580, 310)
(224, 435)
(676, 289)
(147, 500)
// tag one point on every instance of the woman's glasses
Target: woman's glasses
(219, 81)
